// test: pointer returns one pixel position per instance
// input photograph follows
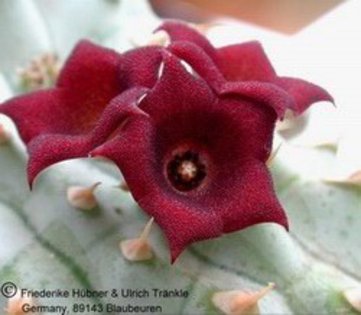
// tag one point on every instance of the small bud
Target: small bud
(82, 198)
(240, 302)
(41, 72)
(353, 296)
(138, 249)
(273, 155)
(4, 135)
(16, 303)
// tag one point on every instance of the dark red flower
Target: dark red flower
(83, 109)
(242, 67)
(191, 146)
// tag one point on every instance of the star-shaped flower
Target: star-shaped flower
(192, 146)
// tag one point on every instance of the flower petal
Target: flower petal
(39, 112)
(245, 62)
(233, 132)
(263, 93)
(139, 67)
(303, 92)
(181, 221)
(176, 85)
(48, 149)
(179, 31)
(250, 198)
(252, 128)
(89, 80)
(92, 75)
(200, 62)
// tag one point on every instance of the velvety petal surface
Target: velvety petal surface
(176, 87)
(232, 135)
(251, 198)
(241, 63)
(92, 76)
(140, 67)
(89, 80)
(192, 144)
(263, 93)
(245, 62)
(181, 221)
(36, 112)
(200, 62)
(179, 31)
(304, 93)
(48, 149)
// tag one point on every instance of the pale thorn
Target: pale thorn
(273, 155)
(353, 296)
(138, 249)
(240, 302)
(159, 38)
(81, 197)
(4, 135)
(16, 304)
(41, 72)
(353, 179)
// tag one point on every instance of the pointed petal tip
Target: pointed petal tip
(279, 217)
(283, 221)
(262, 92)
(175, 251)
(31, 178)
(319, 95)
(33, 175)
(304, 93)
(173, 256)
(30, 184)
(286, 226)
(180, 31)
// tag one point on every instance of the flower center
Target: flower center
(186, 171)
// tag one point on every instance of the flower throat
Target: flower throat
(186, 171)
